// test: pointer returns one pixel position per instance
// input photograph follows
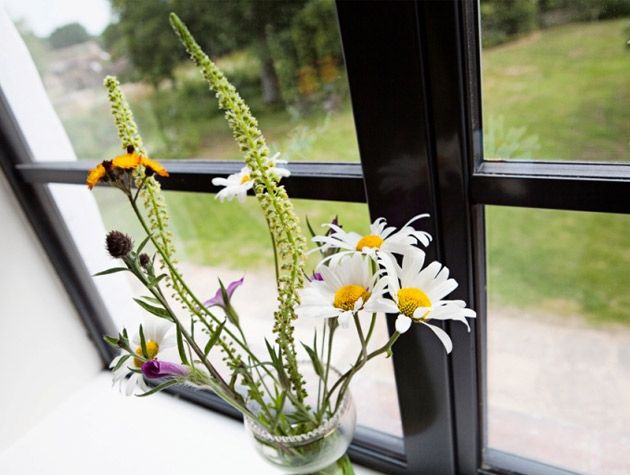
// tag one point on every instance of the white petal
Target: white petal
(403, 323)
(219, 182)
(442, 335)
(345, 318)
(315, 312)
(442, 290)
(390, 273)
(381, 305)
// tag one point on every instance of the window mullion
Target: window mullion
(319, 181)
(382, 50)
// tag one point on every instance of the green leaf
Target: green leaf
(143, 243)
(159, 388)
(214, 338)
(143, 344)
(111, 341)
(317, 364)
(157, 311)
(310, 228)
(121, 362)
(150, 299)
(113, 270)
(276, 361)
(180, 347)
(156, 281)
(224, 294)
(233, 380)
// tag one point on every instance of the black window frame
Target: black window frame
(414, 75)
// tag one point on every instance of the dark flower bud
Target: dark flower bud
(335, 222)
(118, 244)
(144, 259)
(130, 149)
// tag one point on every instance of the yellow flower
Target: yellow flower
(128, 161)
(156, 167)
(95, 175)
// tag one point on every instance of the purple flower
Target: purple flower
(155, 369)
(217, 300)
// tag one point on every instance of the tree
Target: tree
(68, 35)
(219, 26)
(149, 40)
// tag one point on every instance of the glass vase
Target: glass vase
(321, 451)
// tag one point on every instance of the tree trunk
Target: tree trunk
(268, 75)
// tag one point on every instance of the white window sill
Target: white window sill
(99, 431)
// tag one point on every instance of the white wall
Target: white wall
(44, 351)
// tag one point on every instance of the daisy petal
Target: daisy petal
(442, 335)
(403, 323)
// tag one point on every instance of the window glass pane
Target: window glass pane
(230, 240)
(555, 79)
(558, 350)
(284, 57)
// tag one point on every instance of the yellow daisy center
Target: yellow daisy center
(346, 296)
(152, 351)
(245, 179)
(371, 240)
(410, 298)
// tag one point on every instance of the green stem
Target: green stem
(347, 376)
(175, 275)
(371, 329)
(323, 407)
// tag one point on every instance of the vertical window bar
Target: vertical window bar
(383, 55)
(442, 27)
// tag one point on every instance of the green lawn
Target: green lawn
(567, 85)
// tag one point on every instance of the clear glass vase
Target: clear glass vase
(321, 451)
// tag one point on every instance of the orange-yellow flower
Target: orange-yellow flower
(95, 175)
(128, 161)
(156, 167)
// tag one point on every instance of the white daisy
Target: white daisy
(417, 294)
(238, 184)
(344, 289)
(280, 172)
(381, 238)
(157, 339)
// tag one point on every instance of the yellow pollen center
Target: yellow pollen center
(152, 351)
(410, 298)
(245, 179)
(346, 296)
(371, 240)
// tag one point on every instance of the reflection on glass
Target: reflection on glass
(284, 57)
(559, 337)
(555, 79)
(230, 240)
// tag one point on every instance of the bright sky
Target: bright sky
(43, 16)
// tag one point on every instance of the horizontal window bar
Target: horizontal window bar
(571, 186)
(503, 462)
(308, 180)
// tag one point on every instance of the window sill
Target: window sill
(103, 432)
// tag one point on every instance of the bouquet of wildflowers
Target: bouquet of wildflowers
(358, 280)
